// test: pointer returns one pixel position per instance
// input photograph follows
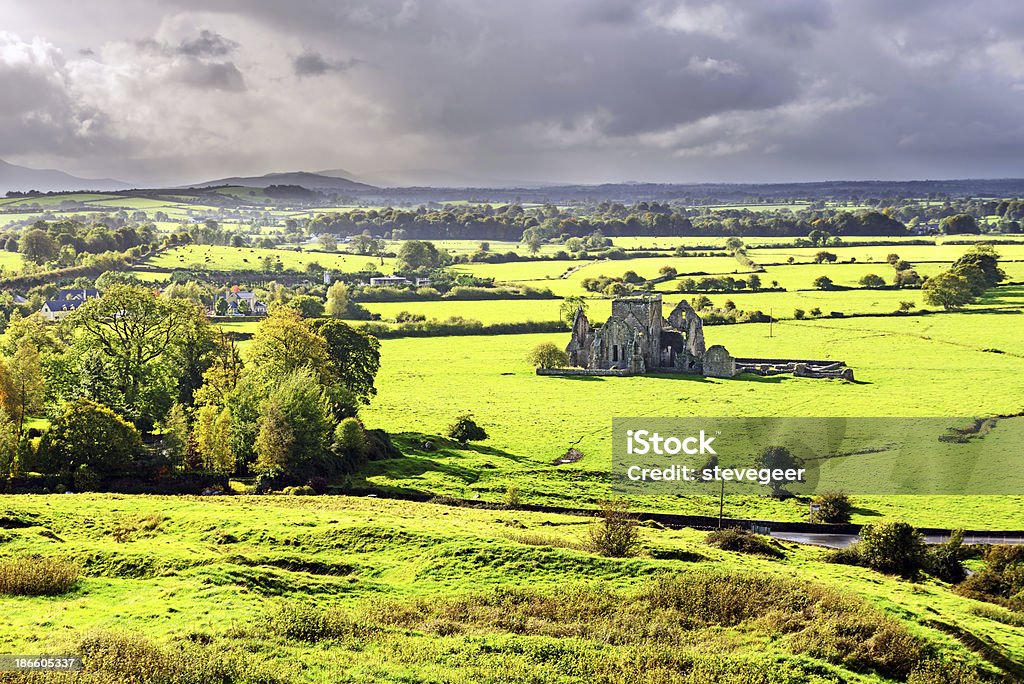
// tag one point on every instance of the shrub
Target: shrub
(743, 541)
(943, 560)
(614, 534)
(833, 507)
(306, 622)
(37, 576)
(465, 429)
(304, 490)
(547, 355)
(799, 314)
(318, 484)
(512, 496)
(892, 547)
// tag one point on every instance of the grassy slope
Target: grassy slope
(207, 569)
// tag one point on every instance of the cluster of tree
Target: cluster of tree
(966, 280)
(512, 222)
(726, 314)
(131, 362)
(62, 242)
(720, 284)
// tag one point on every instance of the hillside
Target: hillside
(23, 179)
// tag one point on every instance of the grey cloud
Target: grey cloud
(212, 75)
(207, 44)
(312, 63)
(605, 89)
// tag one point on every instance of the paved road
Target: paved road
(841, 541)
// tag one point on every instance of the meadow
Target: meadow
(934, 365)
(315, 589)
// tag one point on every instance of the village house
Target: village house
(241, 303)
(67, 301)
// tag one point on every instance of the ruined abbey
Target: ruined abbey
(637, 339)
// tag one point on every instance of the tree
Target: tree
(778, 458)
(10, 436)
(175, 436)
(354, 359)
(959, 224)
(307, 306)
(825, 257)
(614, 533)
(668, 272)
(948, 290)
(274, 441)
(417, 256)
(214, 438)
(221, 307)
(907, 278)
(833, 507)
(872, 281)
(21, 382)
(985, 259)
(823, 283)
(284, 343)
(892, 547)
(465, 430)
(350, 443)
(140, 334)
(570, 305)
(295, 429)
(85, 433)
(328, 243)
(37, 247)
(547, 355)
(337, 300)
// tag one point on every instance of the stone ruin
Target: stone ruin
(636, 339)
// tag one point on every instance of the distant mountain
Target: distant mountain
(311, 181)
(22, 179)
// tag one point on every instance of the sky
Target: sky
(500, 92)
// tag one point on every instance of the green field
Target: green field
(935, 365)
(210, 575)
(245, 258)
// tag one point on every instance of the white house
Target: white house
(58, 309)
(381, 281)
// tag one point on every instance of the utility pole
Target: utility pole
(721, 505)
(771, 321)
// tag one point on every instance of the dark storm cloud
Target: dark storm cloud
(590, 90)
(312, 63)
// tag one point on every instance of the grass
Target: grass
(37, 576)
(424, 383)
(352, 589)
(211, 257)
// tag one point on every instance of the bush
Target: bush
(894, 548)
(743, 541)
(614, 534)
(37, 576)
(833, 507)
(318, 484)
(465, 429)
(547, 355)
(304, 490)
(799, 314)
(943, 560)
(306, 622)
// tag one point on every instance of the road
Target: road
(841, 541)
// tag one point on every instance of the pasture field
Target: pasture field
(429, 593)
(935, 365)
(248, 258)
